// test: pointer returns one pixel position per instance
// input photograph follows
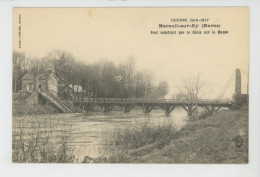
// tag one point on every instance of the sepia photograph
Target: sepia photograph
(130, 85)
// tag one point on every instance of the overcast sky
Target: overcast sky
(117, 33)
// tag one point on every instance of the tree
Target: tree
(148, 77)
(191, 88)
(108, 83)
(163, 89)
(130, 72)
(21, 66)
(100, 79)
(139, 85)
(63, 62)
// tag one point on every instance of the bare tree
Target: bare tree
(130, 72)
(21, 65)
(191, 89)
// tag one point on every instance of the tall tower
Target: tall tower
(238, 88)
(238, 83)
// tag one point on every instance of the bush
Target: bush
(123, 140)
(34, 141)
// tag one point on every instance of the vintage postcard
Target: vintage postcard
(130, 85)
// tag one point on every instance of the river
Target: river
(88, 131)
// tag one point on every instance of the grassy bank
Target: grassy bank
(24, 109)
(209, 140)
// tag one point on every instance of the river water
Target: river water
(88, 131)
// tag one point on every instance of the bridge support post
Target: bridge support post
(88, 107)
(147, 108)
(168, 110)
(188, 109)
(107, 108)
(215, 110)
(127, 108)
(210, 109)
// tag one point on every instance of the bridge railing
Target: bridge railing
(135, 100)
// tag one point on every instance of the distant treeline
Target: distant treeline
(100, 79)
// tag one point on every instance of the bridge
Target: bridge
(168, 105)
(147, 105)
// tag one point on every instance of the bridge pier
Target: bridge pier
(188, 109)
(147, 108)
(168, 109)
(211, 109)
(217, 108)
(127, 108)
(89, 107)
(107, 104)
(107, 108)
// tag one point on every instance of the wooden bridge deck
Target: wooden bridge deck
(150, 101)
(148, 105)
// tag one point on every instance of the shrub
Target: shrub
(34, 141)
(122, 140)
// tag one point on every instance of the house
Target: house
(182, 97)
(72, 91)
(46, 82)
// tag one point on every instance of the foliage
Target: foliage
(163, 89)
(20, 68)
(33, 141)
(122, 140)
(205, 141)
(99, 79)
(191, 89)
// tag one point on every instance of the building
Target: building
(182, 97)
(72, 91)
(43, 82)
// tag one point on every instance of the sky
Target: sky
(91, 34)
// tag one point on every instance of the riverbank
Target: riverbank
(23, 109)
(209, 140)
